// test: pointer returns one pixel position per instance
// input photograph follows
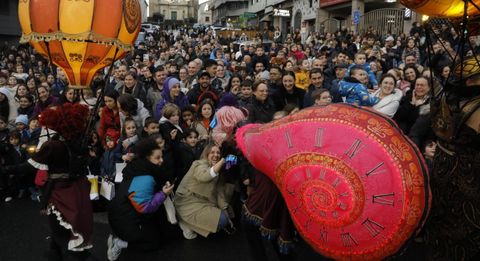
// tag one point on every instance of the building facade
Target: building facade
(331, 15)
(363, 15)
(9, 25)
(205, 15)
(228, 12)
(174, 10)
(144, 8)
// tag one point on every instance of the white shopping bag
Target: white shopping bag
(107, 189)
(170, 208)
(118, 171)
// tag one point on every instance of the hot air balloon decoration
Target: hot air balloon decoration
(81, 37)
(441, 8)
(355, 186)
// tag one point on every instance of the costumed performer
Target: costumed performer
(65, 192)
(452, 231)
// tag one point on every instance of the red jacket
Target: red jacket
(108, 120)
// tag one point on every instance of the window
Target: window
(311, 3)
(174, 15)
(207, 18)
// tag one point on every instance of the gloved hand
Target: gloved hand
(230, 160)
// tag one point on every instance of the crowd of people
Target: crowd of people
(169, 110)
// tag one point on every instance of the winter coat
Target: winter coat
(41, 106)
(282, 98)
(372, 79)
(169, 166)
(139, 118)
(260, 112)
(356, 93)
(185, 156)
(181, 101)
(196, 95)
(137, 92)
(107, 168)
(407, 113)
(9, 103)
(388, 105)
(200, 198)
(134, 211)
(154, 96)
(108, 120)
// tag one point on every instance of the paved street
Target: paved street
(24, 233)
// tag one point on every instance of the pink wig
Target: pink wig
(227, 118)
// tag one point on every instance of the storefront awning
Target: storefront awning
(267, 18)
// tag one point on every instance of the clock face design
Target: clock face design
(355, 186)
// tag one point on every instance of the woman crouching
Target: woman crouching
(200, 200)
(133, 212)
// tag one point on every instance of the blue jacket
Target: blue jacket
(356, 93)
(107, 168)
(371, 76)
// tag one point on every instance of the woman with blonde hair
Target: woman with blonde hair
(200, 200)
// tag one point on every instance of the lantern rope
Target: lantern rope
(80, 37)
(91, 120)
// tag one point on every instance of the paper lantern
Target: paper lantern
(441, 8)
(81, 36)
(355, 186)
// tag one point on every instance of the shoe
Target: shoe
(187, 232)
(8, 199)
(35, 197)
(113, 252)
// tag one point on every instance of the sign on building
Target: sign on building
(281, 12)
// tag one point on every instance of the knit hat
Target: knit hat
(112, 135)
(22, 118)
(172, 82)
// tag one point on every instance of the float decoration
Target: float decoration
(355, 186)
(81, 37)
(441, 8)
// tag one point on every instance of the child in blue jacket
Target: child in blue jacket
(354, 90)
(361, 60)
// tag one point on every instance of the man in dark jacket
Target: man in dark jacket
(316, 82)
(202, 90)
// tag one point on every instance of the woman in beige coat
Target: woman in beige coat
(199, 201)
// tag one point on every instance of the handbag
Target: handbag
(107, 189)
(170, 209)
(119, 171)
(93, 187)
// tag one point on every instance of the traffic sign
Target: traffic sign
(356, 17)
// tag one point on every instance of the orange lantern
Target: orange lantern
(441, 8)
(81, 37)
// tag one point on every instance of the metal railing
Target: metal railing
(383, 21)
